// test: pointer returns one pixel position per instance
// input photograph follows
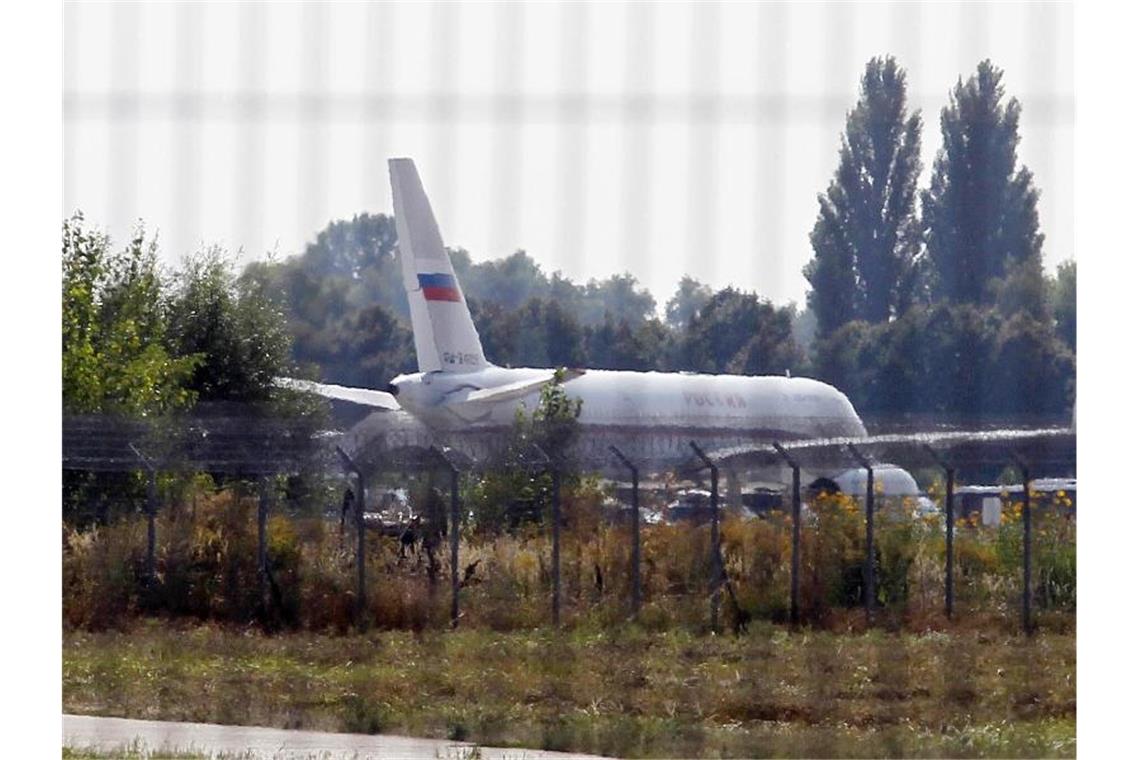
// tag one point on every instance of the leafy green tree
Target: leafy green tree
(956, 358)
(804, 328)
(233, 325)
(352, 248)
(735, 331)
(562, 335)
(1033, 371)
(772, 349)
(687, 301)
(959, 360)
(839, 360)
(498, 330)
(565, 291)
(368, 347)
(115, 326)
(554, 423)
(621, 345)
(511, 281)
(865, 238)
(346, 283)
(618, 296)
(1023, 288)
(980, 214)
(139, 342)
(542, 333)
(553, 427)
(1063, 302)
(373, 347)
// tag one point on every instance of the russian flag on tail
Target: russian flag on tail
(439, 287)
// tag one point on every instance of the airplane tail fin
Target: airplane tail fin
(445, 335)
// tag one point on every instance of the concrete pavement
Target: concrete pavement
(250, 742)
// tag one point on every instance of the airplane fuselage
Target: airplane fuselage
(459, 399)
(640, 409)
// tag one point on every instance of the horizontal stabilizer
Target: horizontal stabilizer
(511, 390)
(362, 396)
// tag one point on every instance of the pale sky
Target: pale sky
(662, 139)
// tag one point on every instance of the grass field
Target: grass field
(619, 691)
(140, 752)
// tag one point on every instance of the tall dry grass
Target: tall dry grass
(206, 564)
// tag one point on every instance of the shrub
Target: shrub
(206, 566)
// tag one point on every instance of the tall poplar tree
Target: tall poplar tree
(980, 214)
(865, 238)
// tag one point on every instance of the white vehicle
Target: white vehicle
(459, 398)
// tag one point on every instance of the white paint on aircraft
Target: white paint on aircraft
(457, 394)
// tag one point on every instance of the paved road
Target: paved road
(82, 731)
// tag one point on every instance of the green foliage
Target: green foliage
(232, 325)
(951, 359)
(627, 692)
(737, 332)
(509, 282)
(637, 346)
(617, 297)
(980, 213)
(207, 570)
(554, 423)
(496, 498)
(346, 308)
(141, 342)
(1032, 369)
(691, 296)
(989, 344)
(343, 301)
(115, 328)
(865, 239)
(515, 281)
(1063, 302)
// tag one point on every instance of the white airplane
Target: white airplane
(459, 399)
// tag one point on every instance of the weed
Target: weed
(207, 571)
(623, 691)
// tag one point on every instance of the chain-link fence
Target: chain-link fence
(235, 518)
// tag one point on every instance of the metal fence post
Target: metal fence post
(949, 506)
(635, 538)
(151, 513)
(454, 535)
(869, 559)
(351, 466)
(360, 551)
(1027, 550)
(262, 548)
(635, 554)
(556, 558)
(717, 573)
(795, 611)
(949, 542)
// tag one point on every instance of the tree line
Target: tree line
(347, 311)
(921, 300)
(927, 300)
(142, 340)
(936, 300)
